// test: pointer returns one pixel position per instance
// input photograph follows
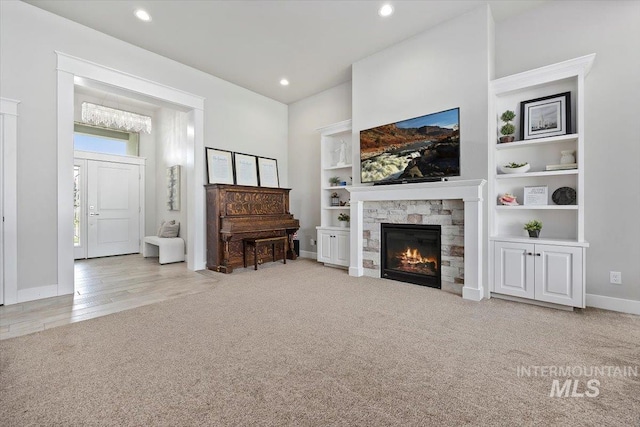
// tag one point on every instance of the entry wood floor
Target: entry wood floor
(105, 286)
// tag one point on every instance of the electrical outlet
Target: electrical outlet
(615, 277)
(312, 241)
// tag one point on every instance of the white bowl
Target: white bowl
(521, 169)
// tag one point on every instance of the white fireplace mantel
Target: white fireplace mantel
(470, 191)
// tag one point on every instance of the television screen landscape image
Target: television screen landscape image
(420, 149)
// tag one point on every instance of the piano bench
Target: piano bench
(167, 249)
(257, 243)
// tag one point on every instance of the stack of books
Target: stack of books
(562, 167)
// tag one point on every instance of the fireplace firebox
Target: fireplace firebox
(411, 253)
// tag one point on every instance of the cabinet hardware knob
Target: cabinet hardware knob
(538, 255)
(529, 253)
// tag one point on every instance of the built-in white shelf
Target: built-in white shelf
(562, 240)
(338, 167)
(336, 146)
(534, 174)
(542, 207)
(334, 228)
(539, 240)
(535, 142)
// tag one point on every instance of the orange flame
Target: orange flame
(412, 256)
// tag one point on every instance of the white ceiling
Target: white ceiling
(256, 43)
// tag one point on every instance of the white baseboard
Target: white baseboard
(614, 304)
(39, 292)
(472, 294)
(532, 302)
(308, 254)
(359, 272)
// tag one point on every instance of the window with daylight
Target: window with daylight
(106, 141)
(77, 208)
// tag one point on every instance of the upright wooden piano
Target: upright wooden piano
(236, 212)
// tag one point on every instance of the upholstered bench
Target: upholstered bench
(257, 243)
(167, 249)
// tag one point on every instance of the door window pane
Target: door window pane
(106, 141)
(99, 144)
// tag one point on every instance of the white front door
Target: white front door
(113, 199)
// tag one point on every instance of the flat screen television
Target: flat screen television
(425, 148)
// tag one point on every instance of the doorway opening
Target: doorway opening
(74, 73)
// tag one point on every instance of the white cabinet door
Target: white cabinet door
(324, 246)
(333, 247)
(514, 269)
(558, 275)
(341, 241)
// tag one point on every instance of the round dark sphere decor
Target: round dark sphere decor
(564, 196)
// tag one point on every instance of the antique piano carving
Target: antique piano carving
(236, 212)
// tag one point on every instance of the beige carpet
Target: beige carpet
(300, 344)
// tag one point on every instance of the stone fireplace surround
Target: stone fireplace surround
(469, 191)
(449, 214)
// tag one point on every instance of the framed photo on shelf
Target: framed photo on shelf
(536, 195)
(246, 167)
(268, 172)
(219, 166)
(545, 117)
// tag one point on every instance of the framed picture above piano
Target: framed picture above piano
(246, 167)
(268, 172)
(219, 166)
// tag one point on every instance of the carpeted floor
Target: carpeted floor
(301, 344)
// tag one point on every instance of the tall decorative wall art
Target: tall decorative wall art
(173, 188)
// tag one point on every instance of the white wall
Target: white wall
(305, 116)
(563, 30)
(170, 151)
(234, 118)
(445, 67)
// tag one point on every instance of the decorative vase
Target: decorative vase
(534, 233)
(344, 224)
(507, 138)
(567, 157)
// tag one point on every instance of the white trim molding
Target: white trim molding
(90, 70)
(614, 304)
(470, 191)
(9, 194)
(73, 70)
(570, 68)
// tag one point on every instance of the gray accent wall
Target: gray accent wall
(564, 30)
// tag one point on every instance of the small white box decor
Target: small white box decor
(536, 195)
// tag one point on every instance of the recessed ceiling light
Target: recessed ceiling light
(385, 10)
(142, 15)
(284, 82)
